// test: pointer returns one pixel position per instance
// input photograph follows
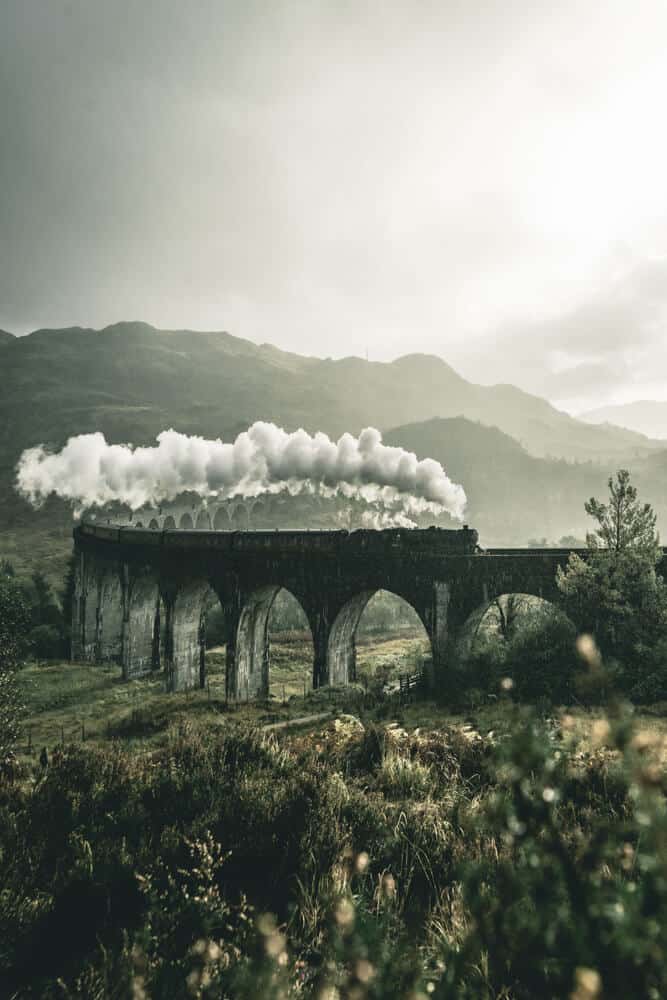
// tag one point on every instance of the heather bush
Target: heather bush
(14, 617)
(368, 859)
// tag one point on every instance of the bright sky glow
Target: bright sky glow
(482, 181)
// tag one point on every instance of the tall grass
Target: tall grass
(366, 859)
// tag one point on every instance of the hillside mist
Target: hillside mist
(645, 416)
(515, 497)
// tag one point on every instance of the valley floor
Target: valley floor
(81, 702)
(73, 702)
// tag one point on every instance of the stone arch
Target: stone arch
(498, 615)
(250, 677)
(240, 517)
(169, 523)
(203, 522)
(141, 627)
(153, 524)
(138, 524)
(341, 644)
(291, 642)
(185, 653)
(259, 513)
(185, 522)
(221, 519)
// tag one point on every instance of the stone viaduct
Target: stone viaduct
(235, 513)
(140, 593)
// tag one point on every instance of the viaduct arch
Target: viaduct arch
(140, 594)
(236, 513)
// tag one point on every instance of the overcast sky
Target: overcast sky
(486, 181)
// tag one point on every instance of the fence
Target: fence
(411, 686)
(58, 735)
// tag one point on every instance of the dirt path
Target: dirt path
(303, 720)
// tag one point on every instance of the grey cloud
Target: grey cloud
(330, 176)
(617, 338)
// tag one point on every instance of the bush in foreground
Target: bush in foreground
(395, 864)
(14, 617)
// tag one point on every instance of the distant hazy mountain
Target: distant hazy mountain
(6, 337)
(131, 381)
(646, 416)
(514, 496)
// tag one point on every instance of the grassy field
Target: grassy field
(74, 702)
(69, 702)
(47, 552)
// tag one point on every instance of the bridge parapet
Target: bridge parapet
(462, 541)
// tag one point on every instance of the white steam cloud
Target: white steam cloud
(90, 472)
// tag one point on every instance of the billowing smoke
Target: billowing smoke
(90, 472)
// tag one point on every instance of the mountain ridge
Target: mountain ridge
(514, 496)
(642, 416)
(131, 380)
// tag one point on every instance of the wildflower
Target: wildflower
(274, 944)
(388, 886)
(588, 651)
(328, 993)
(361, 862)
(600, 732)
(643, 740)
(588, 984)
(364, 971)
(344, 914)
(628, 857)
(138, 991)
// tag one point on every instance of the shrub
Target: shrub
(538, 653)
(441, 863)
(14, 617)
(578, 892)
(46, 642)
(402, 778)
(541, 657)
